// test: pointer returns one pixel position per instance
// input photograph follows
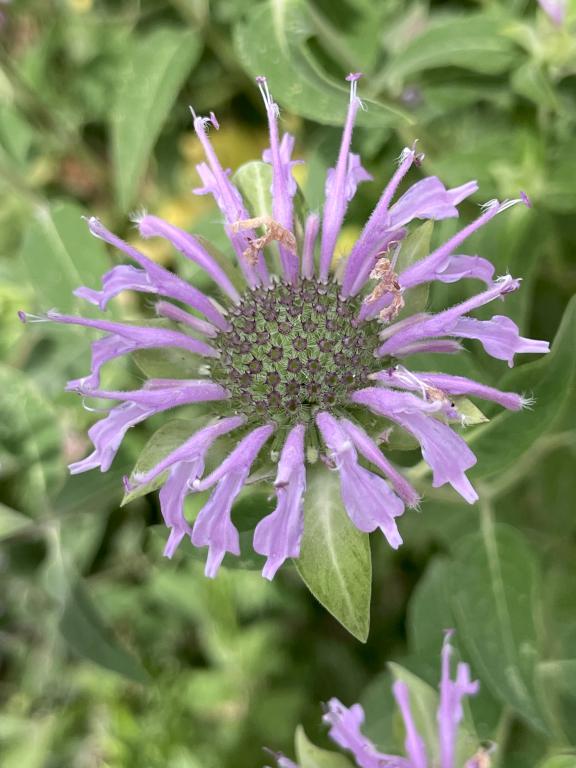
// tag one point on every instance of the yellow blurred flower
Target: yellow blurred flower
(184, 210)
(300, 174)
(80, 6)
(346, 240)
(234, 144)
(157, 249)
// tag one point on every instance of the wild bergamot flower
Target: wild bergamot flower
(294, 358)
(346, 724)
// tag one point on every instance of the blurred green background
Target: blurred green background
(109, 654)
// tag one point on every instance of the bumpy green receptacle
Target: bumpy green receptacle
(293, 350)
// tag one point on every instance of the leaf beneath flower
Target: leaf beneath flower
(335, 561)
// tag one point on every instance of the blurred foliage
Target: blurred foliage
(112, 656)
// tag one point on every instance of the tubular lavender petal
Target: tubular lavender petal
(231, 205)
(337, 196)
(282, 188)
(152, 226)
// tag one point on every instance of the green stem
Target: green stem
(501, 736)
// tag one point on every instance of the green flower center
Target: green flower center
(294, 350)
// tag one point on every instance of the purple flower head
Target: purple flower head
(296, 363)
(345, 724)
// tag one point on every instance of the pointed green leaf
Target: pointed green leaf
(335, 561)
(473, 41)
(495, 585)
(80, 622)
(168, 363)
(157, 65)
(311, 756)
(469, 411)
(415, 247)
(85, 632)
(254, 181)
(59, 255)
(163, 441)
(530, 81)
(273, 41)
(30, 440)
(12, 522)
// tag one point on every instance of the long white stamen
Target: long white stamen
(27, 317)
(505, 204)
(268, 101)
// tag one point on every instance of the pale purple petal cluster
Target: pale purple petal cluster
(369, 500)
(345, 724)
(315, 413)
(555, 10)
(278, 535)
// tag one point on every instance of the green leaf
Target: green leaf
(530, 81)
(12, 522)
(31, 438)
(559, 194)
(475, 42)
(35, 740)
(88, 636)
(311, 756)
(469, 411)
(429, 613)
(163, 441)
(551, 381)
(156, 67)
(559, 761)
(273, 41)
(254, 181)
(59, 255)
(16, 134)
(80, 622)
(377, 701)
(494, 597)
(415, 247)
(335, 561)
(167, 363)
